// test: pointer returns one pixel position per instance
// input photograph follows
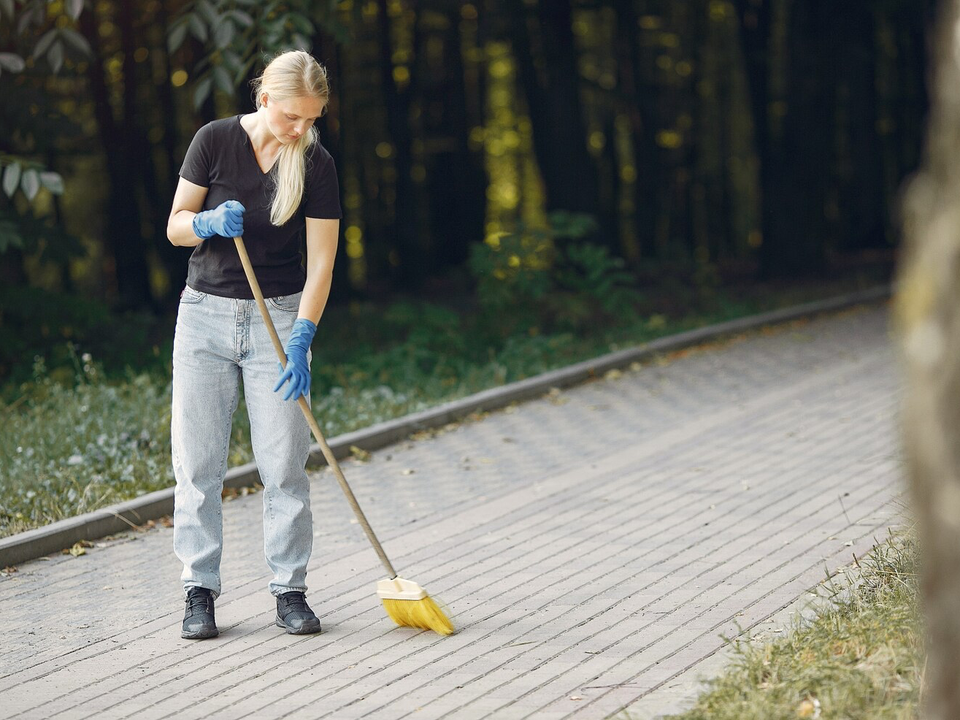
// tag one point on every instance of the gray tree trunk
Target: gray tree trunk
(928, 325)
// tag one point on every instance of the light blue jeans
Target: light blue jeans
(218, 341)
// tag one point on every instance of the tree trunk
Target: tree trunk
(552, 89)
(928, 319)
(407, 270)
(861, 193)
(795, 163)
(331, 130)
(123, 211)
(174, 259)
(640, 108)
(456, 181)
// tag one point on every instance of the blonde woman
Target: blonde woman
(265, 176)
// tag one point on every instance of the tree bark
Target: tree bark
(174, 259)
(861, 193)
(408, 269)
(123, 210)
(456, 181)
(552, 90)
(331, 131)
(641, 109)
(794, 164)
(928, 323)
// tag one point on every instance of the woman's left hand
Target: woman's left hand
(297, 370)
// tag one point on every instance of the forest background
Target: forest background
(554, 163)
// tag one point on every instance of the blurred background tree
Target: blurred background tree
(707, 141)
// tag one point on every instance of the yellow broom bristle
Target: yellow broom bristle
(422, 613)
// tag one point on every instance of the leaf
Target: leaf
(301, 23)
(202, 92)
(77, 550)
(12, 62)
(231, 61)
(23, 22)
(222, 78)
(176, 36)
(208, 12)
(243, 18)
(77, 41)
(55, 57)
(10, 235)
(223, 34)
(52, 181)
(74, 8)
(30, 183)
(360, 454)
(44, 43)
(244, 69)
(197, 28)
(11, 179)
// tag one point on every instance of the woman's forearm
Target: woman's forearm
(316, 291)
(180, 229)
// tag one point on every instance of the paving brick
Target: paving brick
(597, 543)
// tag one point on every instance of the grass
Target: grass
(858, 655)
(84, 435)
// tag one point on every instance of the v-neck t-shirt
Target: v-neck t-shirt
(221, 158)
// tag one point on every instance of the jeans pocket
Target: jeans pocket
(191, 296)
(286, 303)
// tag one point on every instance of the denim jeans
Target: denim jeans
(218, 341)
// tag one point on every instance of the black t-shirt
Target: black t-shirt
(221, 159)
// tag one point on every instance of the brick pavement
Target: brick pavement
(592, 547)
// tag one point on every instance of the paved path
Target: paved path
(592, 547)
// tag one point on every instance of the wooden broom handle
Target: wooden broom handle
(312, 421)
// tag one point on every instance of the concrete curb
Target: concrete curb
(122, 516)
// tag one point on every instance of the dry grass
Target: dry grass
(857, 656)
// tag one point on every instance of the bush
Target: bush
(549, 279)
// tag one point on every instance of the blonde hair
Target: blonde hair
(294, 73)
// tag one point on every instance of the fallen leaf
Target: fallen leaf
(9, 570)
(407, 471)
(360, 454)
(77, 550)
(167, 521)
(613, 374)
(576, 697)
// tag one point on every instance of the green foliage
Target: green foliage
(860, 656)
(70, 448)
(53, 327)
(237, 34)
(80, 433)
(40, 33)
(551, 279)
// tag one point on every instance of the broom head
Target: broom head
(408, 605)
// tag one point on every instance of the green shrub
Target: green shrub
(551, 279)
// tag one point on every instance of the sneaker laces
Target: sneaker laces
(295, 602)
(197, 602)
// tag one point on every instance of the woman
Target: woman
(264, 176)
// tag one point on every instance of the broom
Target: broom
(406, 603)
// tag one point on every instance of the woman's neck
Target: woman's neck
(263, 141)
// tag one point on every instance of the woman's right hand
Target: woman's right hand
(226, 220)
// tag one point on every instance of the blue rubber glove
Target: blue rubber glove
(298, 369)
(226, 219)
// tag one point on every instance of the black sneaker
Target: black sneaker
(294, 615)
(198, 620)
